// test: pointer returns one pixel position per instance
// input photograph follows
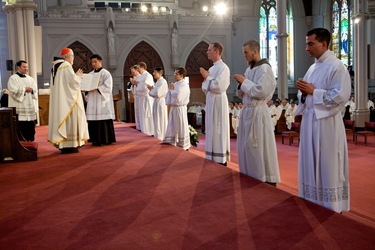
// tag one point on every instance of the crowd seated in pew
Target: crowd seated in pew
(12, 145)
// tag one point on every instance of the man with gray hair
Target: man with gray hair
(67, 125)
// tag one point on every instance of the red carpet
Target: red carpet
(139, 194)
(361, 164)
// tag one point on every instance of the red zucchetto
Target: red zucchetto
(65, 51)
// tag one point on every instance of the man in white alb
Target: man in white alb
(145, 100)
(215, 85)
(159, 110)
(323, 165)
(134, 80)
(178, 97)
(256, 146)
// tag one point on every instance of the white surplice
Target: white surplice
(67, 125)
(323, 171)
(18, 97)
(159, 109)
(178, 127)
(145, 103)
(256, 146)
(100, 102)
(217, 113)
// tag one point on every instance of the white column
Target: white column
(19, 27)
(30, 45)
(282, 77)
(11, 33)
(360, 17)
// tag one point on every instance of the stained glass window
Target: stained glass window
(342, 44)
(268, 35)
(268, 32)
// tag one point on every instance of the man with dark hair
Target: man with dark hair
(178, 97)
(159, 109)
(67, 125)
(100, 111)
(257, 154)
(323, 162)
(23, 93)
(215, 85)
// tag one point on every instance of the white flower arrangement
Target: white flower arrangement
(193, 136)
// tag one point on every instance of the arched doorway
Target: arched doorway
(197, 58)
(142, 52)
(81, 57)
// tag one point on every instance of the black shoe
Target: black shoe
(271, 183)
(69, 150)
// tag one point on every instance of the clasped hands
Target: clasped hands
(239, 78)
(205, 73)
(28, 89)
(305, 87)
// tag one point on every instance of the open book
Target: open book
(89, 82)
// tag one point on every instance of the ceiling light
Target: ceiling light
(205, 8)
(143, 8)
(221, 9)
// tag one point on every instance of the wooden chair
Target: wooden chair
(349, 127)
(294, 132)
(192, 119)
(369, 131)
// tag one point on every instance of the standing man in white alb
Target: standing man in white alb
(145, 100)
(178, 97)
(257, 154)
(159, 110)
(323, 164)
(215, 85)
(133, 80)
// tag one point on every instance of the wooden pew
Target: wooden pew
(281, 123)
(11, 148)
(192, 119)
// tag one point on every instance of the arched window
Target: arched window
(268, 32)
(342, 44)
(268, 35)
